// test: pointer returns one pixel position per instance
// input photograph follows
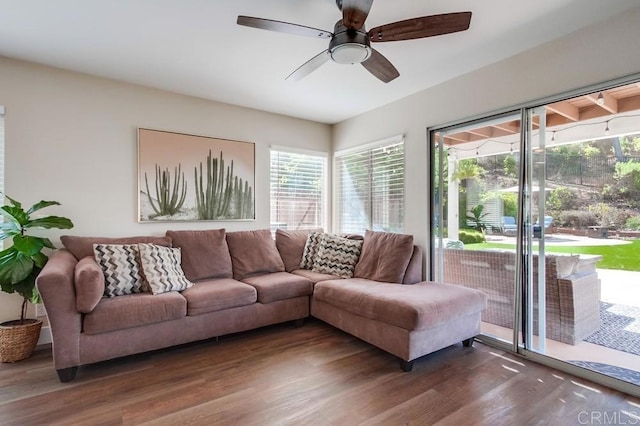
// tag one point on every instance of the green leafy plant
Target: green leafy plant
(468, 236)
(21, 263)
(477, 215)
(633, 223)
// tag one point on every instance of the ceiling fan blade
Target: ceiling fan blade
(309, 66)
(355, 12)
(426, 26)
(282, 27)
(380, 67)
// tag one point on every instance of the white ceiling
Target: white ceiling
(194, 47)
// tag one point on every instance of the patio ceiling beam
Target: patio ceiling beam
(484, 132)
(511, 127)
(629, 104)
(455, 138)
(566, 110)
(610, 103)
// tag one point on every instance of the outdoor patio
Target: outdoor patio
(615, 348)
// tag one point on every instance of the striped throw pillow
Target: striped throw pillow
(310, 250)
(121, 266)
(337, 255)
(161, 266)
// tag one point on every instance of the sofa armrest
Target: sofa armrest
(413, 274)
(55, 284)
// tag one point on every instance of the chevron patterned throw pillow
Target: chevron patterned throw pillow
(121, 266)
(161, 266)
(337, 255)
(310, 250)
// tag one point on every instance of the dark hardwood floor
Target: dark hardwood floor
(311, 375)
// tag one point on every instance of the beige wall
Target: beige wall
(72, 138)
(594, 55)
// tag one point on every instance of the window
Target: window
(369, 188)
(298, 189)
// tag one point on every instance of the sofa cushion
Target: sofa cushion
(161, 266)
(134, 310)
(253, 252)
(312, 276)
(88, 281)
(83, 246)
(205, 253)
(291, 245)
(412, 307)
(385, 256)
(310, 249)
(218, 294)
(337, 255)
(121, 266)
(279, 286)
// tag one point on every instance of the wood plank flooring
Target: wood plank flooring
(311, 375)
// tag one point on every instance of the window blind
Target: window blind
(370, 189)
(298, 190)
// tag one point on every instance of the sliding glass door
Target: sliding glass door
(476, 168)
(540, 210)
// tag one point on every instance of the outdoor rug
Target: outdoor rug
(621, 373)
(619, 328)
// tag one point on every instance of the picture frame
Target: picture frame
(183, 177)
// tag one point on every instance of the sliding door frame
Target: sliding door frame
(522, 330)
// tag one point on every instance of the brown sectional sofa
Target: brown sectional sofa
(245, 280)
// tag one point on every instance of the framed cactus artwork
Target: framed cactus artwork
(191, 178)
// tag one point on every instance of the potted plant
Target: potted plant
(20, 264)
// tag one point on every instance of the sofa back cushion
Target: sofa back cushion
(253, 253)
(205, 254)
(291, 245)
(83, 246)
(385, 256)
(89, 284)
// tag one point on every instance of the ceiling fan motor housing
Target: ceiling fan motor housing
(349, 46)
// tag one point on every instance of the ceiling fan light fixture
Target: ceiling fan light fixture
(350, 53)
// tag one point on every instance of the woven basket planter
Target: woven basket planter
(17, 341)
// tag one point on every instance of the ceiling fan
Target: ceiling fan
(350, 43)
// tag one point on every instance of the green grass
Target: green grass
(624, 257)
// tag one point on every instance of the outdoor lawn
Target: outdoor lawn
(624, 257)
